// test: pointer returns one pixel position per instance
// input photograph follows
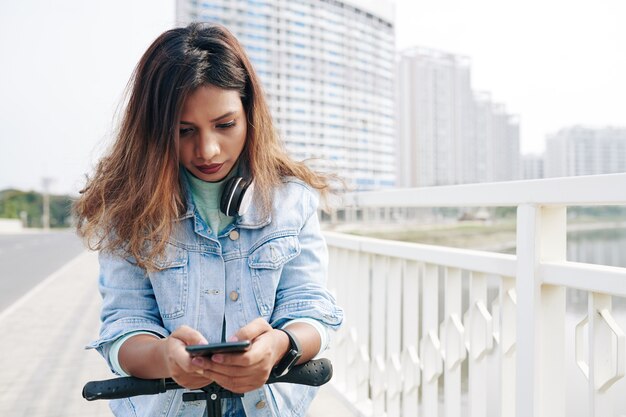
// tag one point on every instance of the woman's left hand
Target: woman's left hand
(247, 371)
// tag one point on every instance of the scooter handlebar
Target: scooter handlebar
(314, 373)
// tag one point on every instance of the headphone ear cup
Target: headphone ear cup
(232, 196)
(226, 199)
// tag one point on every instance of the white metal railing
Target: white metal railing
(397, 355)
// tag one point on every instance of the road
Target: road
(26, 259)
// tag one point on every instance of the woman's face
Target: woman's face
(212, 132)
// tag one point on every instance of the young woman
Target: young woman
(190, 253)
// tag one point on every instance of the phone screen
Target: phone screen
(224, 347)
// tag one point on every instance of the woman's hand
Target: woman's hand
(243, 372)
(178, 362)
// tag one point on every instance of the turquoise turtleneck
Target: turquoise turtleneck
(206, 197)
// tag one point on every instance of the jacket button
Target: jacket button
(233, 235)
(261, 404)
(234, 295)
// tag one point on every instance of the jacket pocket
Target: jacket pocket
(170, 282)
(266, 264)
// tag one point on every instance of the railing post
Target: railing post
(377, 333)
(451, 336)
(350, 334)
(540, 385)
(342, 286)
(394, 337)
(606, 354)
(479, 334)
(430, 348)
(362, 318)
(508, 309)
(410, 338)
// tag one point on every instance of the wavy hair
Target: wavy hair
(135, 194)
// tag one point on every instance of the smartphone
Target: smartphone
(224, 347)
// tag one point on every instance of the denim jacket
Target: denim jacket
(272, 267)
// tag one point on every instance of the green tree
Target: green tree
(13, 202)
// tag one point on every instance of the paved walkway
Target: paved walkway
(43, 365)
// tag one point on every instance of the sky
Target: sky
(65, 65)
(555, 63)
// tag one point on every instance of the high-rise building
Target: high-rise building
(327, 69)
(532, 167)
(580, 150)
(447, 133)
(496, 141)
(434, 108)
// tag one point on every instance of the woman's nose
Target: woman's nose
(207, 147)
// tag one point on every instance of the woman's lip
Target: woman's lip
(209, 169)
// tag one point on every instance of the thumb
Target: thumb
(251, 330)
(189, 336)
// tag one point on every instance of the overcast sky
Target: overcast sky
(555, 63)
(64, 66)
(65, 63)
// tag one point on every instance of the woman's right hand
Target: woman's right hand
(179, 362)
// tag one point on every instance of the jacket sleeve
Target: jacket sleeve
(301, 291)
(128, 303)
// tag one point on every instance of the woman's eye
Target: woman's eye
(226, 125)
(185, 131)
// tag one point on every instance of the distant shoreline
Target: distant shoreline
(487, 236)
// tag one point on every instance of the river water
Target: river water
(606, 247)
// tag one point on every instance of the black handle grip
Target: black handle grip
(121, 388)
(314, 373)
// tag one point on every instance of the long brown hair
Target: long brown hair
(134, 196)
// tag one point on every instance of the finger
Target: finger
(227, 381)
(193, 381)
(193, 375)
(234, 371)
(177, 353)
(189, 336)
(210, 363)
(247, 359)
(259, 354)
(253, 329)
(182, 361)
(239, 384)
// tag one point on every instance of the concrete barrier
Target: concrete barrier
(10, 226)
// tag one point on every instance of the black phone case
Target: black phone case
(225, 347)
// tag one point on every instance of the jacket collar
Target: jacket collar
(252, 219)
